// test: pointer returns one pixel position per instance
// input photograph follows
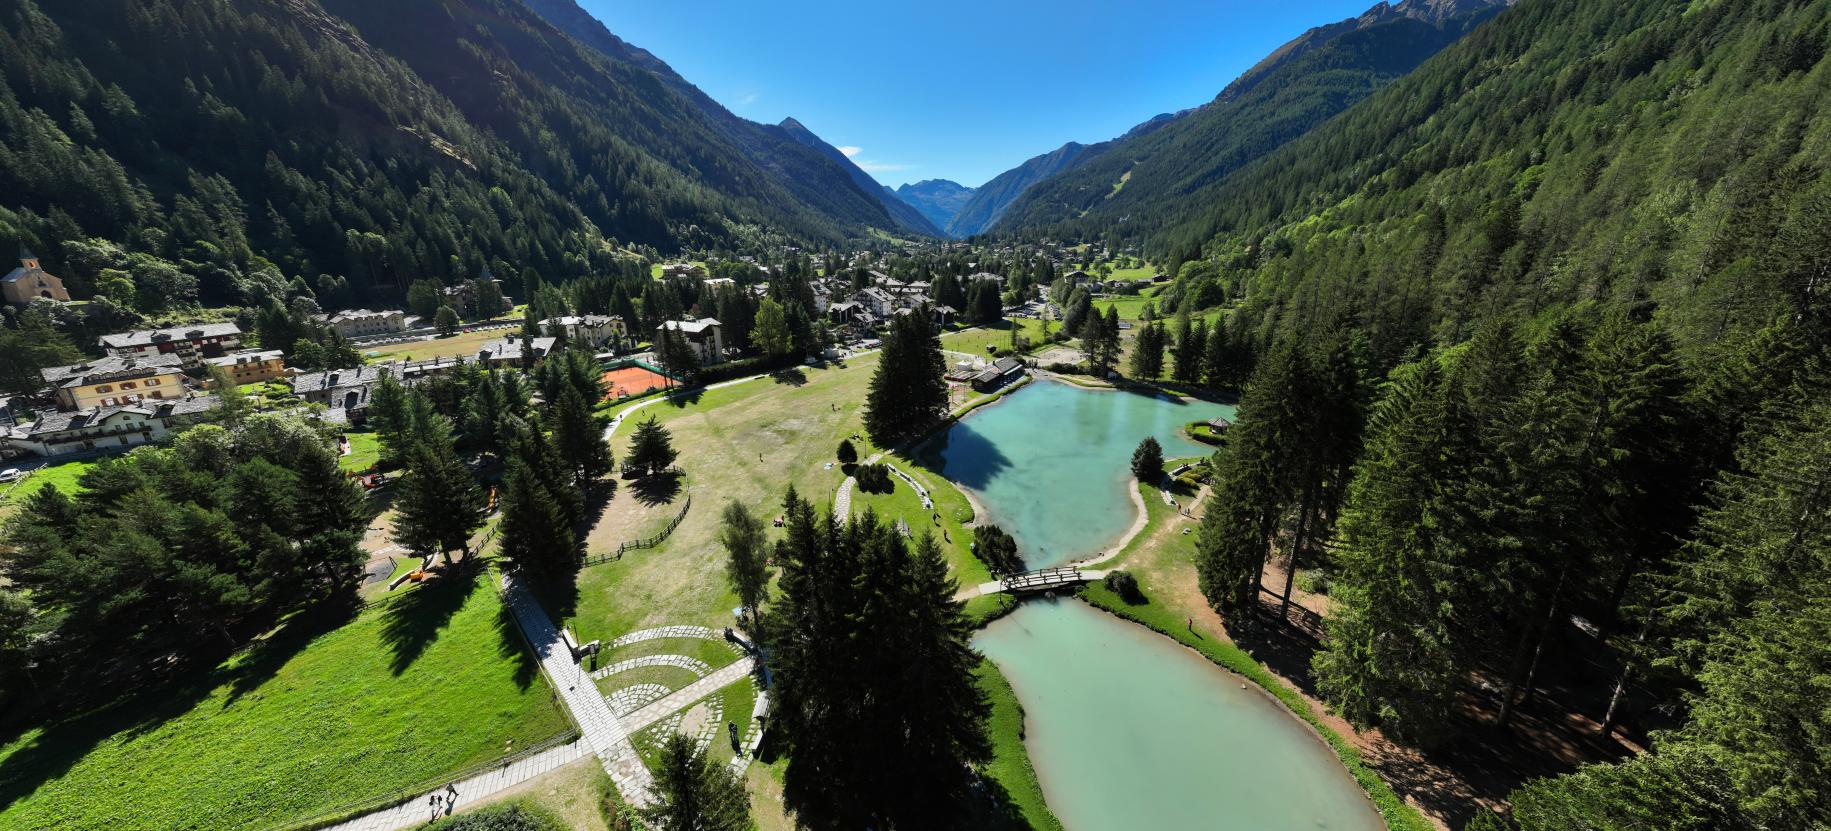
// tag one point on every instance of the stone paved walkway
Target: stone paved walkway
(842, 499)
(694, 665)
(690, 693)
(416, 811)
(667, 632)
(602, 731)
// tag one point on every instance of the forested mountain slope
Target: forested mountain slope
(1545, 386)
(993, 198)
(382, 141)
(1142, 182)
(815, 175)
(1629, 150)
(907, 217)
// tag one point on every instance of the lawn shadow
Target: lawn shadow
(683, 398)
(412, 623)
(657, 489)
(64, 741)
(793, 376)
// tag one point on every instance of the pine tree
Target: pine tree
(848, 454)
(908, 391)
(579, 440)
(694, 793)
(1147, 461)
(439, 502)
(534, 531)
(651, 449)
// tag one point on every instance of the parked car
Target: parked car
(11, 474)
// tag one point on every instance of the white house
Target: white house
(705, 335)
(55, 433)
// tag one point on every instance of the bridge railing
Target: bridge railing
(1043, 578)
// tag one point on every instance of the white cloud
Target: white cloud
(849, 150)
(748, 99)
(880, 167)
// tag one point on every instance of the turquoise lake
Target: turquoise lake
(1052, 462)
(1130, 730)
(1127, 729)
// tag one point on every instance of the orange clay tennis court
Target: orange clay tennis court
(631, 380)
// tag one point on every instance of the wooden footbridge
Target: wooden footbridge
(1042, 579)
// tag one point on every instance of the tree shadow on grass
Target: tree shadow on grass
(792, 376)
(658, 489)
(684, 398)
(410, 624)
(64, 742)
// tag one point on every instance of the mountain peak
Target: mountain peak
(790, 123)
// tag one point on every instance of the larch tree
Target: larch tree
(746, 556)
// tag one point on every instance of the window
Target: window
(127, 385)
(152, 382)
(104, 388)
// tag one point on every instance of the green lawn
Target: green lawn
(419, 688)
(365, 452)
(949, 504)
(715, 654)
(61, 475)
(746, 442)
(1010, 766)
(975, 341)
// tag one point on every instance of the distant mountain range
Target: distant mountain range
(937, 199)
(1167, 165)
(907, 217)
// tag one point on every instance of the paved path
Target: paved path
(617, 420)
(842, 500)
(679, 699)
(602, 732)
(417, 810)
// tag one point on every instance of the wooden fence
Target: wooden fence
(646, 542)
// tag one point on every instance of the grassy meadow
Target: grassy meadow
(318, 716)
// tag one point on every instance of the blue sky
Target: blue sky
(961, 89)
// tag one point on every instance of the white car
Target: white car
(11, 474)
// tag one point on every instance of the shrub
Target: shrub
(847, 453)
(1123, 584)
(997, 549)
(874, 479)
(500, 818)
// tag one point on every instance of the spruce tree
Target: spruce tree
(694, 793)
(534, 531)
(1147, 461)
(438, 506)
(1191, 351)
(1392, 660)
(908, 391)
(651, 449)
(1147, 352)
(579, 440)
